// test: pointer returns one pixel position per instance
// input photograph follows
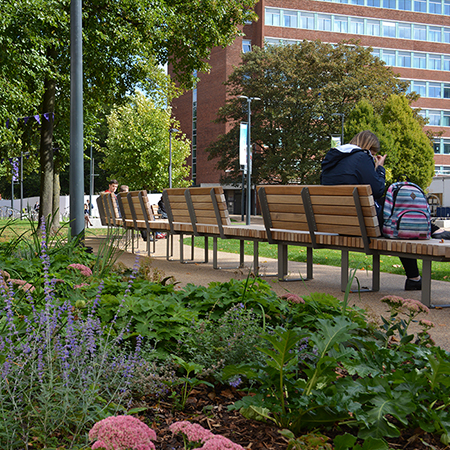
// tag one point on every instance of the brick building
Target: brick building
(412, 36)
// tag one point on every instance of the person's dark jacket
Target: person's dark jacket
(349, 164)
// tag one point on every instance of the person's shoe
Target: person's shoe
(413, 285)
(441, 235)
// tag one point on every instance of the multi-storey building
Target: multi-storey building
(412, 36)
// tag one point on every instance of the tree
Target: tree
(123, 43)
(399, 128)
(137, 150)
(304, 88)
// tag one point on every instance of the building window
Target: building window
(419, 61)
(404, 59)
(446, 119)
(324, 22)
(373, 27)
(446, 146)
(290, 19)
(404, 5)
(376, 53)
(434, 62)
(357, 2)
(389, 57)
(272, 17)
(420, 88)
(404, 30)
(446, 33)
(374, 3)
(437, 147)
(446, 7)
(420, 32)
(446, 90)
(307, 21)
(434, 34)
(420, 6)
(434, 118)
(356, 25)
(388, 29)
(446, 63)
(434, 6)
(442, 170)
(390, 4)
(246, 45)
(434, 90)
(340, 25)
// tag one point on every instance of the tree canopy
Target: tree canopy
(304, 89)
(399, 128)
(137, 150)
(123, 44)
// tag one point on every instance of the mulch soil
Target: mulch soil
(208, 407)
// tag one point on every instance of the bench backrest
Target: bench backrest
(176, 206)
(208, 206)
(111, 209)
(101, 211)
(344, 209)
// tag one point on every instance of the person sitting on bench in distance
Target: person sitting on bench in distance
(359, 163)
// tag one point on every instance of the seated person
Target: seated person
(359, 163)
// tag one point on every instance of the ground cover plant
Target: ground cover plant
(80, 345)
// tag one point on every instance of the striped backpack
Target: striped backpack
(406, 214)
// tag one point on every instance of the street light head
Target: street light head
(242, 96)
(174, 130)
(256, 98)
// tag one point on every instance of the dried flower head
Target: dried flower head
(122, 433)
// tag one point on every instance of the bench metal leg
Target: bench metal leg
(282, 261)
(192, 247)
(241, 252)
(181, 249)
(309, 263)
(344, 269)
(206, 250)
(215, 266)
(255, 257)
(376, 272)
(426, 282)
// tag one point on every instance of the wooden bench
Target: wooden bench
(342, 218)
(209, 217)
(138, 215)
(155, 209)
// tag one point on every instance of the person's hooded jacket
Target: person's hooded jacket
(349, 164)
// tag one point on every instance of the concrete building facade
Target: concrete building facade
(412, 36)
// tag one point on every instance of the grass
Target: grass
(20, 227)
(388, 264)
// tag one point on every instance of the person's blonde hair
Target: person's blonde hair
(367, 141)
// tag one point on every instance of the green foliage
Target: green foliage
(399, 128)
(302, 87)
(137, 150)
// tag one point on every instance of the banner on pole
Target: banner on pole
(243, 146)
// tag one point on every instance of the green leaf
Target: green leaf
(344, 441)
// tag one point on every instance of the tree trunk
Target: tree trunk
(46, 148)
(55, 208)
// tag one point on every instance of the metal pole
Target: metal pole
(249, 167)
(342, 129)
(21, 184)
(91, 182)
(170, 158)
(76, 184)
(242, 195)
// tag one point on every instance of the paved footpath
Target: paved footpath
(326, 280)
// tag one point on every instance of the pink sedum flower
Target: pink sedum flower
(84, 270)
(193, 431)
(122, 433)
(196, 433)
(294, 298)
(220, 443)
(78, 286)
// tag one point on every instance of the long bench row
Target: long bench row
(335, 217)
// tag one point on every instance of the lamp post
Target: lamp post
(342, 125)
(249, 157)
(172, 130)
